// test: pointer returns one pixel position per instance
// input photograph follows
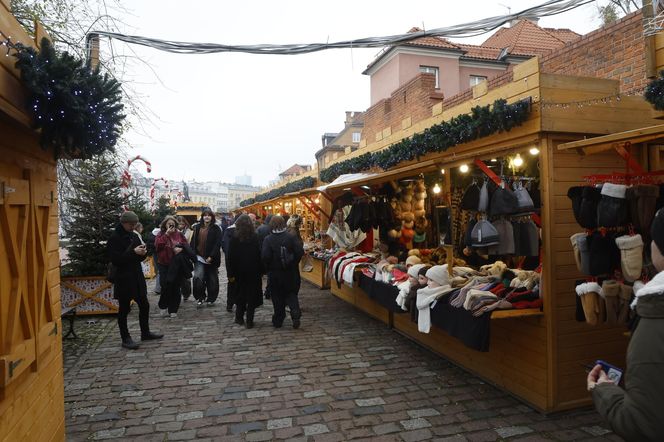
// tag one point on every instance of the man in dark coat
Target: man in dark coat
(126, 252)
(225, 246)
(281, 255)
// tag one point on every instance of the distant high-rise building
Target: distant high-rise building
(244, 180)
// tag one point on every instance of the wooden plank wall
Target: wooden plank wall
(574, 344)
(317, 275)
(32, 404)
(357, 297)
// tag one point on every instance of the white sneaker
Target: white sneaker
(163, 312)
(173, 315)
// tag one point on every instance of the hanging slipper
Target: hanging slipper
(631, 256)
(590, 300)
(610, 293)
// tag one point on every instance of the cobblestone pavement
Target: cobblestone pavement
(341, 376)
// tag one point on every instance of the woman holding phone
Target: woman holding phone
(167, 244)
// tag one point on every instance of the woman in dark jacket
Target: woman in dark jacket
(636, 413)
(206, 243)
(245, 270)
(168, 244)
(294, 224)
(281, 255)
(126, 252)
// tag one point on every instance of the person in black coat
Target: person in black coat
(245, 270)
(126, 252)
(281, 255)
(225, 246)
(262, 232)
(206, 242)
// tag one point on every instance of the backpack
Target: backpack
(286, 257)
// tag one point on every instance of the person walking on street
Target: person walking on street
(206, 243)
(635, 413)
(149, 242)
(245, 269)
(262, 231)
(126, 252)
(280, 255)
(294, 223)
(168, 243)
(183, 227)
(230, 287)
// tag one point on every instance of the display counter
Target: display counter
(360, 299)
(318, 274)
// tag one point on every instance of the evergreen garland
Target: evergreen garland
(293, 186)
(481, 122)
(94, 206)
(78, 110)
(654, 93)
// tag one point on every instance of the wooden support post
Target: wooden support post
(631, 163)
(316, 206)
(311, 209)
(649, 43)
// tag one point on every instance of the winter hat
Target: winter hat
(600, 254)
(524, 201)
(467, 238)
(589, 294)
(471, 198)
(612, 207)
(575, 194)
(484, 234)
(610, 292)
(483, 205)
(439, 274)
(128, 217)
(412, 260)
(528, 239)
(657, 230)
(631, 256)
(503, 202)
(581, 252)
(588, 210)
(414, 270)
(423, 271)
(505, 238)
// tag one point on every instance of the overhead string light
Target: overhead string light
(609, 99)
(479, 27)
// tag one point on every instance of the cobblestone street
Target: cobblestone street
(341, 376)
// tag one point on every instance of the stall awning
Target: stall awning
(303, 192)
(612, 141)
(367, 179)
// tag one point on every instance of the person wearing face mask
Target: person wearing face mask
(126, 251)
(206, 242)
(637, 411)
(167, 244)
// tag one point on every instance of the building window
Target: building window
(431, 70)
(356, 137)
(476, 79)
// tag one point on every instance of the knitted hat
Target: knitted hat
(423, 270)
(657, 230)
(588, 210)
(483, 205)
(128, 217)
(612, 208)
(484, 234)
(412, 260)
(471, 198)
(525, 202)
(439, 274)
(414, 270)
(505, 238)
(503, 202)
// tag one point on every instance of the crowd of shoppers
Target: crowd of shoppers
(191, 255)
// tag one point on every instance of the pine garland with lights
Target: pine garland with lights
(654, 93)
(293, 186)
(78, 110)
(481, 122)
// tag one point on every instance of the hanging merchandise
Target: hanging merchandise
(631, 256)
(525, 203)
(471, 198)
(612, 207)
(503, 202)
(484, 234)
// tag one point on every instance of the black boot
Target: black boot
(128, 343)
(150, 336)
(250, 318)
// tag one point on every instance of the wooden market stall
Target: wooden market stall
(539, 356)
(31, 373)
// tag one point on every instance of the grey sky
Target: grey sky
(220, 115)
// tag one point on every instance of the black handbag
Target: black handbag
(111, 272)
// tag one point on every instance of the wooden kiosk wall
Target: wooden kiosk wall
(31, 371)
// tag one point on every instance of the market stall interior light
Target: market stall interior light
(464, 168)
(517, 161)
(442, 171)
(534, 151)
(436, 189)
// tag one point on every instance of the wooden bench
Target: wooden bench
(70, 314)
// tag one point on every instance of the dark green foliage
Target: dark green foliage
(654, 93)
(78, 110)
(293, 186)
(481, 122)
(139, 205)
(162, 210)
(94, 205)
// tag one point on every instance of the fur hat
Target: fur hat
(439, 274)
(128, 217)
(412, 260)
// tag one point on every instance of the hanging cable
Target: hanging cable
(551, 7)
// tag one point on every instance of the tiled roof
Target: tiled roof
(436, 42)
(526, 38)
(481, 52)
(295, 169)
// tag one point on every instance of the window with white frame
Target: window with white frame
(431, 70)
(356, 137)
(476, 79)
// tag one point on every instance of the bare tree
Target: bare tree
(614, 9)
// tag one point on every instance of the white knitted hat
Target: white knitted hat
(414, 270)
(439, 274)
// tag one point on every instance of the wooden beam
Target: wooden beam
(313, 211)
(606, 142)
